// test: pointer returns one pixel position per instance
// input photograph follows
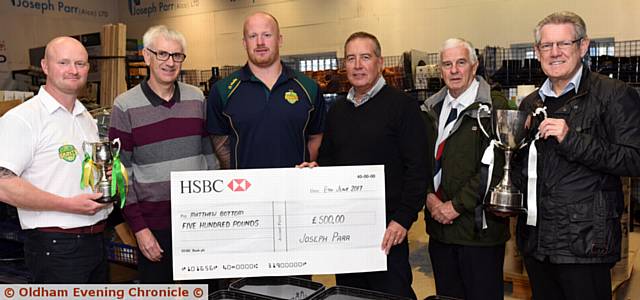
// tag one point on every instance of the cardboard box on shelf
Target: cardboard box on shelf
(5, 106)
(138, 71)
(126, 236)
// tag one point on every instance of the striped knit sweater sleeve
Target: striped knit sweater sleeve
(156, 140)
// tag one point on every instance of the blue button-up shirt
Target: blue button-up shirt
(547, 88)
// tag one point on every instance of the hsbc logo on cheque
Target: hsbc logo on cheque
(203, 186)
(239, 185)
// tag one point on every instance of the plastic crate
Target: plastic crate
(235, 295)
(343, 292)
(436, 297)
(282, 288)
(123, 253)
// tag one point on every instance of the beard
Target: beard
(263, 60)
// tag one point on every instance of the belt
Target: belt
(91, 229)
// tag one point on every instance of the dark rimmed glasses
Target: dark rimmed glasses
(164, 55)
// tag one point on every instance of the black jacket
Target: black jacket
(387, 130)
(580, 198)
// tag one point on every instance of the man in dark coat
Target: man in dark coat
(571, 236)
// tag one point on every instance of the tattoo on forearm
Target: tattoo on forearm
(222, 149)
(6, 173)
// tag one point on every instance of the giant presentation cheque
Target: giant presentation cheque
(273, 222)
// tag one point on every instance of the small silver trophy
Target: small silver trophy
(510, 132)
(98, 158)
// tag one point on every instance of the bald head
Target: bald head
(260, 17)
(63, 43)
(66, 64)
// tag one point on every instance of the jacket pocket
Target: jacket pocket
(594, 227)
(585, 122)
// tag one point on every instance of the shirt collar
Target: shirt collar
(51, 104)
(547, 89)
(351, 96)
(466, 98)
(156, 100)
(247, 75)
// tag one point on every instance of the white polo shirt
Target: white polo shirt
(41, 142)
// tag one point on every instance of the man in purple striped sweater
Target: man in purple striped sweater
(160, 123)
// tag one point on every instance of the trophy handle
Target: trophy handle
(540, 111)
(483, 107)
(116, 141)
(84, 148)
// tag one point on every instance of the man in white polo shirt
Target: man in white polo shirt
(40, 168)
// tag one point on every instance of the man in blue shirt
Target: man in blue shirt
(265, 115)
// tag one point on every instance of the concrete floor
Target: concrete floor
(423, 283)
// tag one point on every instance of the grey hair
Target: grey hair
(562, 17)
(457, 42)
(163, 31)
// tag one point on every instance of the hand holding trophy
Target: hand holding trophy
(98, 157)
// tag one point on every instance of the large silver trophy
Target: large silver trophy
(510, 131)
(98, 158)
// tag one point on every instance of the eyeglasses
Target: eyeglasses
(545, 47)
(461, 63)
(164, 55)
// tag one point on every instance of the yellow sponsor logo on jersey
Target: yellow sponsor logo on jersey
(291, 96)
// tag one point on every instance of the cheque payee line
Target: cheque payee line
(299, 223)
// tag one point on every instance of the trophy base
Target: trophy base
(106, 199)
(508, 210)
(505, 202)
(105, 189)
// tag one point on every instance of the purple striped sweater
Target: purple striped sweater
(158, 137)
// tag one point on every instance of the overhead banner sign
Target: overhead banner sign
(77, 8)
(160, 8)
(153, 8)
(277, 222)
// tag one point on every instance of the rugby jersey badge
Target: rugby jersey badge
(291, 96)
